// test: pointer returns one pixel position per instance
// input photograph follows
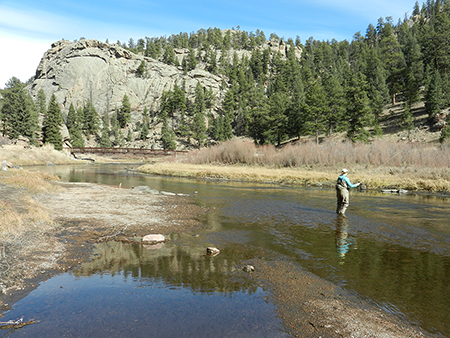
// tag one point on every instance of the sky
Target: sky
(29, 27)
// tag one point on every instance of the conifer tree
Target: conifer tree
(167, 136)
(198, 124)
(276, 120)
(124, 113)
(18, 113)
(358, 112)
(52, 122)
(316, 109)
(434, 99)
(41, 102)
(91, 119)
(145, 125)
(105, 142)
(74, 127)
(335, 101)
(393, 59)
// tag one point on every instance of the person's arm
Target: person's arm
(349, 184)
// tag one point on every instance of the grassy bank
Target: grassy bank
(421, 167)
(20, 156)
(19, 212)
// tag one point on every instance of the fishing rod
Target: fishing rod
(380, 166)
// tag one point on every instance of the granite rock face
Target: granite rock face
(89, 69)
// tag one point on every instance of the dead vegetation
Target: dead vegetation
(380, 164)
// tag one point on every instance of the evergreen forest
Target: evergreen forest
(331, 86)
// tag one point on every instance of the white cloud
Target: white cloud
(22, 58)
(33, 23)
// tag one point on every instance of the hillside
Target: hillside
(193, 90)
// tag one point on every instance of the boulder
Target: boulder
(4, 166)
(153, 238)
(211, 251)
(249, 268)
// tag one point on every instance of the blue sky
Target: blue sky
(29, 27)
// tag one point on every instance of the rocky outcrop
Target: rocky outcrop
(89, 69)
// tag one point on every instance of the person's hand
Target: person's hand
(358, 184)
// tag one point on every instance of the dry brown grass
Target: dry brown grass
(14, 221)
(378, 165)
(18, 155)
(19, 212)
(34, 181)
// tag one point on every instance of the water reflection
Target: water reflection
(141, 291)
(344, 242)
(402, 261)
(189, 267)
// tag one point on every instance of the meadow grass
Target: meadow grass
(378, 165)
(18, 155)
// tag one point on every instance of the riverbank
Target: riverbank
(61, 221)
(387, 178)
(79, 214)
(47, 226)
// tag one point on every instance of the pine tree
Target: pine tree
(18, 113)
(393, 60)
(141, 69)
(41, 102)
(167, 136)
(105, 142)
(358, 112)
(316, 109)
(124, 113)
(445, 134)
(407, 119)
(52, 123)
(91, 119)
(74, 127)
(169, 56)
(335, 102)
(198, 125)
(434, 98)
(276, 120)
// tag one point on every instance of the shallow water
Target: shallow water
(391, 250)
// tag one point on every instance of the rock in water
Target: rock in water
(155, 238)
(211, 251)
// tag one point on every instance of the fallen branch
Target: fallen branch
(15, 324)
(108, 237)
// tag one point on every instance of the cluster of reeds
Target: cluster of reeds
(327, 154)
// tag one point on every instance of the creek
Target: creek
(391, 250)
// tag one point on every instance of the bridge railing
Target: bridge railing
(125, 151)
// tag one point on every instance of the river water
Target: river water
(392, 250)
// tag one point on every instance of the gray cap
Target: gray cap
(344, 171)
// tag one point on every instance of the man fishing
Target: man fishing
(343, 184)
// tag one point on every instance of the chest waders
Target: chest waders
(342, 197)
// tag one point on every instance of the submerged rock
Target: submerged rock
(143, 189)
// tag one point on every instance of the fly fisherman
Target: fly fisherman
(343, 184)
